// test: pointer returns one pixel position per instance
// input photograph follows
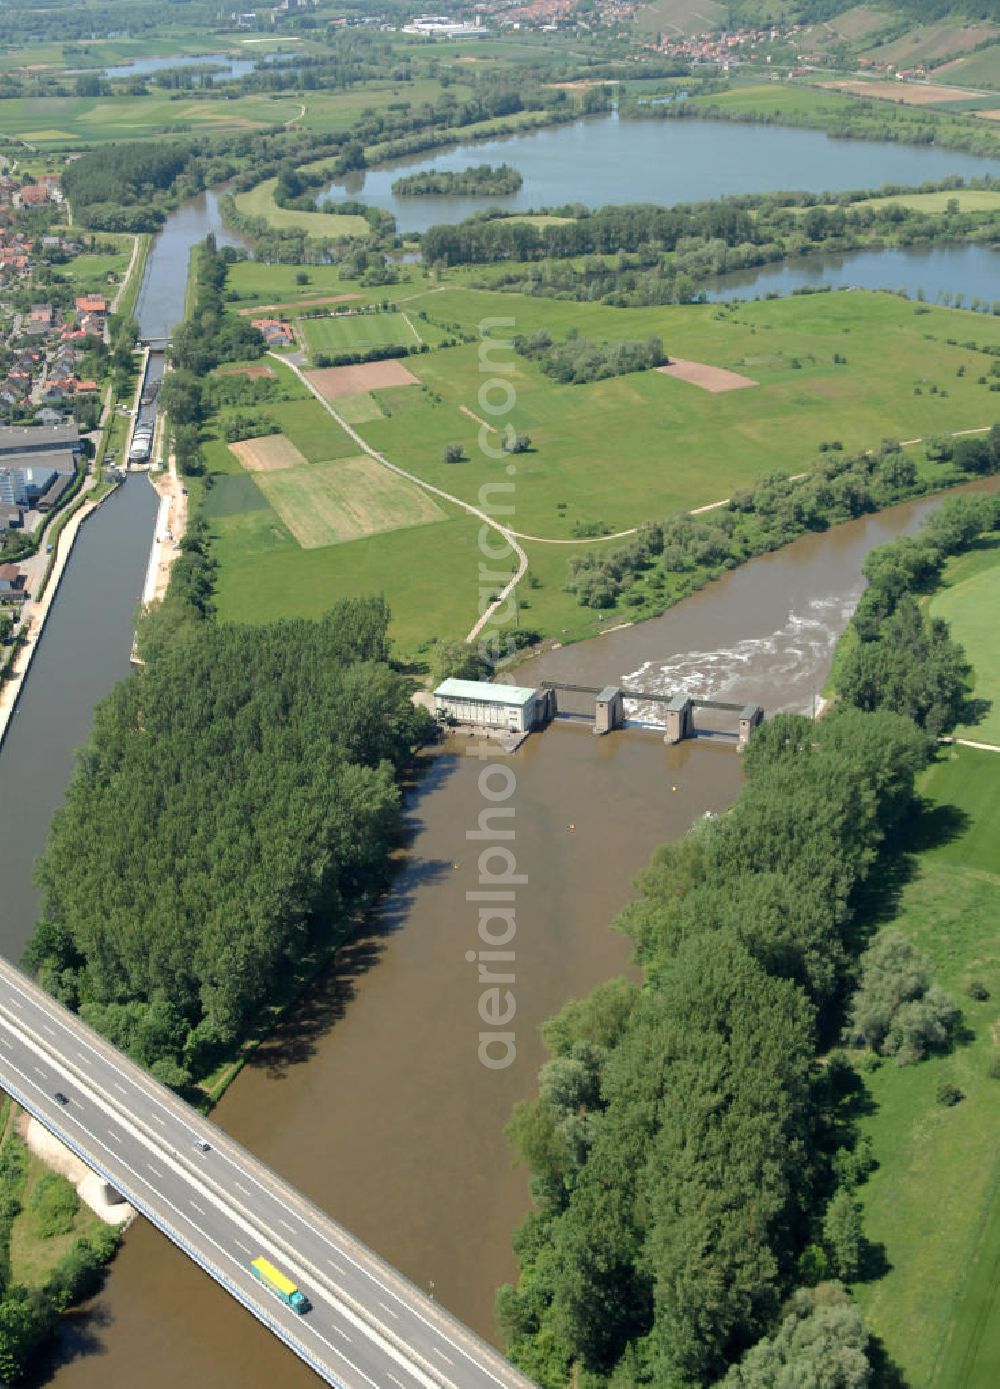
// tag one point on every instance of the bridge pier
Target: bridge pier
(609, 710)
(679, 719)
(750, 717)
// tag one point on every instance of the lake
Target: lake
(604, 159)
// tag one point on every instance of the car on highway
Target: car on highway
(60, 1098)
(202, 1146)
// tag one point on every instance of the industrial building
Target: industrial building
(514, 708)
(37, 463)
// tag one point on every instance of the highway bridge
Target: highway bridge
(369, 1326)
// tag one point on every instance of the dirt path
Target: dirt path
(128, 274)
(484, 516)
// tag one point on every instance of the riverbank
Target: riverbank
(932, 1298)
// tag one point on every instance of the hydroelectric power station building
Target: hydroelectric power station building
(513, 708)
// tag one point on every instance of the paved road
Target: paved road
(369, 1326)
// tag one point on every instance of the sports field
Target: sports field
(970, 603)
(328, 503)
(357, 332)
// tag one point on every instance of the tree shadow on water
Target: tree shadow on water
(324, 1002)
(77, 1337)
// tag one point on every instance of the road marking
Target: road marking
(395, 1380)
(245, 1189)
(288, 1227)
(199, 1209)
(157, 1120)
(392, 1312)
(245, 1247)
(38, 1071)
(155, 1170)
(119, 1087)
(17, 1003)
(339, 1267)
(50, 1030)
(438, 1351)
(342, 1333)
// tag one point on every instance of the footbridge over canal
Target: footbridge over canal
(678, 710)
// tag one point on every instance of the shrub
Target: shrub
(948, 1094)
(53, 1205)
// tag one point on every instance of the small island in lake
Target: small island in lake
(479, 180)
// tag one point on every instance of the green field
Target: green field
(777, 99)
(70, 122)
(624, 450)
(673, 18)
(259, 202)
(621, 450)
(970, 602)
(330, 503)
(358, 332)
(255, 282)
(929, 1201)
(980, 69)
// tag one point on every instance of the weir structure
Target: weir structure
(678, 710)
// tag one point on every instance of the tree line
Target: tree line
(694, 1169)
(692, 1165)
(634, 261)
(895, 654)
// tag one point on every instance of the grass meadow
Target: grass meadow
(615, 452)
(931, 1202)
(69, 122)
(259, 202)
(969, 601)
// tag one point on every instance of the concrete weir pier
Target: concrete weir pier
(520, 710)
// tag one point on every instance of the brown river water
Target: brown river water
(372, 1097)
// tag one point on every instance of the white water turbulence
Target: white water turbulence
(794, 659)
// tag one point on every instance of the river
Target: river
(605, 160)
(371, 1097)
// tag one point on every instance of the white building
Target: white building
(511, 707)
(439, 26)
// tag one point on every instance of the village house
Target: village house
(276, 332)
(12, 584)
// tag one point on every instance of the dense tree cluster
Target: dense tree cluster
(212, 334)
(478, 180)
(898, 657)
(578, 359)
(684, 1144)
(250, 776)
(115, 187)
